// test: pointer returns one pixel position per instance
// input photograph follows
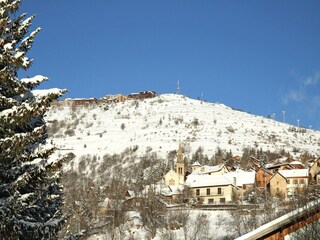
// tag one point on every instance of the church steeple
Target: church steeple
(181, 167)
(179, 154)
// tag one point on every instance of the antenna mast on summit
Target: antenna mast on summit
(283, 116)
(178, 87)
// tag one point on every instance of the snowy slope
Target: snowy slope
(159, 124)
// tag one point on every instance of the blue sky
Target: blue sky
(259, 56)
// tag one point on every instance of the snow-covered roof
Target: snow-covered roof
(281, 160)
(296, 163)
(207, 169)
(207, 180)
(196, 164)
(275, 165)
(171, 190)
(163, 189)
(242, 177)
(294, 173)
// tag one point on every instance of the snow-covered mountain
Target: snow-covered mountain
(159, 124)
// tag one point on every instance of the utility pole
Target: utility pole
(283, 116)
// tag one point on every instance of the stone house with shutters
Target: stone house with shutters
(286, 183)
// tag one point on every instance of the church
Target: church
(177, 177)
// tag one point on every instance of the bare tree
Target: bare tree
(200, 228)
(152, 212)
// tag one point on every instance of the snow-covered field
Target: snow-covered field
(160, 124)
(220, 226)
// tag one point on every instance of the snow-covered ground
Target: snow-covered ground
(159, 124)
(220, 226)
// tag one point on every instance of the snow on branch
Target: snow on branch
(47, 92)
(34, 81)
(26, 43)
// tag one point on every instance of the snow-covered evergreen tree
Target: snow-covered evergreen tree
(30, 193)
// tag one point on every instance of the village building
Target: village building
(195, 165)
(211, 189)
(142, 95)
(243, 180)
(114, 98)
(210, 170)
(262, 179)
(172, 194)
(275, 167)
(297, 165)
(315, 171)
(287, 183)
(83, 102)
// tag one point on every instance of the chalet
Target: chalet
(275, 167)
(211, 189)
(286, 183)
(297, 165)
(142, 95)
(262, 178)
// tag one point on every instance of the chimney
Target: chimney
(235, 181)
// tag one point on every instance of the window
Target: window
(318, 164)
(219, 190)
(244, 187)
(198, 192)
(295, 181)
(301, 181)
(222, 200)
(208, 191)
(180, 170)
(210, 200)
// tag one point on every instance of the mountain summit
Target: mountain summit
(160, 123)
